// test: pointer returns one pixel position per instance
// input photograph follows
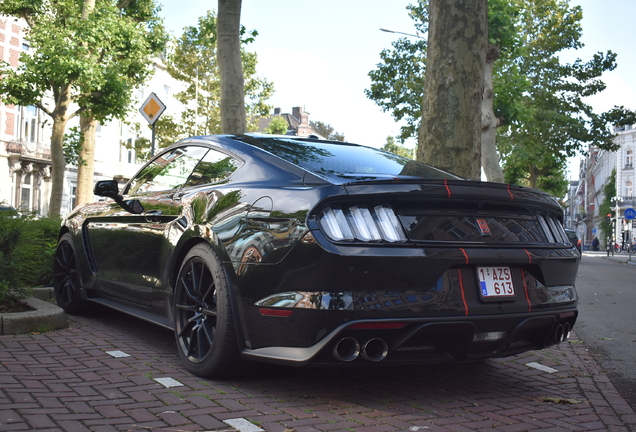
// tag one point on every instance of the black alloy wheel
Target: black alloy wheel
(66, 277)
(204, 326)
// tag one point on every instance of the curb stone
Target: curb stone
(44, 316)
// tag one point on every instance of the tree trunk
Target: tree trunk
(58, 163)
(86, 163)
(87, 8)
(489, 123)
(86, 154)
(533, 176)
(450, 132)
(233, 118)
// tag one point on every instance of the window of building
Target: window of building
(73, 197)
(26, 192)
(629, 158)
(629, 189)
(29, 124)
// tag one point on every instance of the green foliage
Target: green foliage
(539, 100)
(193, 61)
(102, 57)
(278, 126)
(397, 85)
(327, 131)
(89, 63)
(27, 246)
(72, 147)
(393, 147)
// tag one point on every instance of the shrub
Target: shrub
(27, 246)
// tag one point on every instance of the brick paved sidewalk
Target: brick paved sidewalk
(66, 380)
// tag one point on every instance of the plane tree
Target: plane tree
(538, 101)
(193, 61)
(86, 57)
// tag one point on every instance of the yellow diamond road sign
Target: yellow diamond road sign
(152, 109)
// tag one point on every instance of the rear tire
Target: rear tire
(66, 283)
(204, 323)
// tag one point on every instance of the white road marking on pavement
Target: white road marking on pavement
(541, 367)
(243, 425)
(168, 382)
(117, 354)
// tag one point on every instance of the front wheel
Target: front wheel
(66, 277)
(204, 323)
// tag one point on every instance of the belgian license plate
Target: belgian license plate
(495, 282)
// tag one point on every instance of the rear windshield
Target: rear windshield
(348, 161)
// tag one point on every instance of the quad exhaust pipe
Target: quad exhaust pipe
(348, 349)
(562, 333)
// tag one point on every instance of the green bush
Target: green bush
(27, 246)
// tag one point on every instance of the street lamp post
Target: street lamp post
(617, 232)
(417, 35)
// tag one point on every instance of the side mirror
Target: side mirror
(110, 189)
(107, 188)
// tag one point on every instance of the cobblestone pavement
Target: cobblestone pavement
(74, 380)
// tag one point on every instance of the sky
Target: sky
(318, 54)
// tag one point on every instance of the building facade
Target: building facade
(626, 138)
(587, 194)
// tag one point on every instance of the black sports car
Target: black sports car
(309, 252)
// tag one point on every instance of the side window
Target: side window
(214, 167)
(168, 171)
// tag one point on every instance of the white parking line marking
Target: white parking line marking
(541, 367)
(117, 354)
(242, 425)
(168, 382)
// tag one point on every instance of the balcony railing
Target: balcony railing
(29, 149)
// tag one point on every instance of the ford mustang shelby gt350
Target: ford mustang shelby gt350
(309, 252)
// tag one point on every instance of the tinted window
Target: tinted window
(214, 167)
(346, 160)
(168, 171)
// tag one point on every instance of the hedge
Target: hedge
(27, 247)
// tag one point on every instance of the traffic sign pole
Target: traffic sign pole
(151, 110)
(630, 214)
(152, 144)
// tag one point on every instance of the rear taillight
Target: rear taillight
(361, 223)
(553, 230)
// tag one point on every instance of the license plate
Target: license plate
(495, 282)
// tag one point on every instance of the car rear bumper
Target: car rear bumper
(426, 340)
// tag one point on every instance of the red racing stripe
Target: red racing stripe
(447, 188)
(465, 254)
(512, 197)
(529, 256)
(525, 288)
(461, 287)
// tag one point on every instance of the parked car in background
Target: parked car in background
(8, 211)
(320, 253)
(574, 239)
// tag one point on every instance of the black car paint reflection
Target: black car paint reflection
(306, 252)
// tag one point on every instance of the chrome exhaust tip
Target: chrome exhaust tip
(346, 350)
(558, 335)
(566, 331)
(375, 350)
